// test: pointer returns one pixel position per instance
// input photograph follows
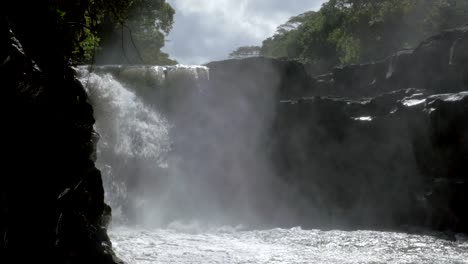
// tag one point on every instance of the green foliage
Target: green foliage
(148, 23)
(355, 31)
(245, 51)
(285, 42)
(84, 24)
(349, 47)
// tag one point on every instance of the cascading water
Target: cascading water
(130, 132)
(180, 160)
(172, 151)
(135, 143)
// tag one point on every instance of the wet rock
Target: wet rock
(437, 64)
(378, 145)
(285, 79)
(372, 160)
(52, 199)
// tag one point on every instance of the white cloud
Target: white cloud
(206, 30)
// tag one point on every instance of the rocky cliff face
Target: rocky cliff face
(51, 196)
(437, 65)
(385, 162)
(382, 145)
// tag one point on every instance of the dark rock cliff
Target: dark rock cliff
(386, 162)
(51, 195)
(437, 64)
(380, 145)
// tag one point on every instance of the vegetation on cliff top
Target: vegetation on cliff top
(245, 51)
(77, 30)
(355, 31)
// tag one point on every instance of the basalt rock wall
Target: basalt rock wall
(381, 145)
(51, 196)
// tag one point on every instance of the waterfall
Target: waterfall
(391, 66)
(175, 148)
(133, 152)
(130, 131)
(161, 144)
(452, 50)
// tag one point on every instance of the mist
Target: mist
(198, 151)
(264, 143)
(226, 144)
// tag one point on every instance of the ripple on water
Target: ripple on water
(284, 246)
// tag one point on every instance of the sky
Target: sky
(208, 30)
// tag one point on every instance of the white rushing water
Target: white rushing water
(139, 246)
(135, 137)
(129, 130)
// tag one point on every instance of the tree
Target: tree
(245, 52)
(75, 29)
(135, 31)
(356, 31)
(284, 43)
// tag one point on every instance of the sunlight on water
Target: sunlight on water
(229, 245)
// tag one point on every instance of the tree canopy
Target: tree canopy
(245, 52)
(78, 29)
(355, 31)
(134, 31)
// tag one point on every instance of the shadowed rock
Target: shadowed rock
(52, 199)
(380, 145)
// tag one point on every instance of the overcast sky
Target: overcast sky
(207, 30)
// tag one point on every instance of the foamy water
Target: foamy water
(139, 246)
